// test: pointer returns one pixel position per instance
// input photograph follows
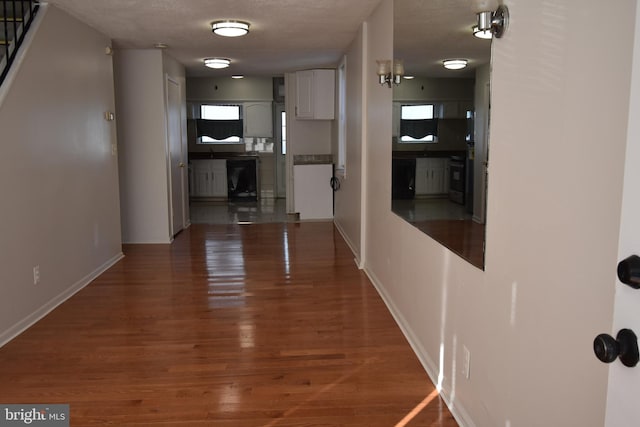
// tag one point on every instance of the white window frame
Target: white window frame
(230, 140)
(429, 139)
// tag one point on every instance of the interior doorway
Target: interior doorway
(280, 151)
(176, 161)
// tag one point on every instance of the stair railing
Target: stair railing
(16, 17)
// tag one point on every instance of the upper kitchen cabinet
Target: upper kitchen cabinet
(315, 94)
(395, 120)
(258, 119)
(455, 109)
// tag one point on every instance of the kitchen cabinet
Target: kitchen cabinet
(395, 120)
(315, 94)
(455, 109)
(258, 119)
(312, 192)
(432, 176)
(209, 178)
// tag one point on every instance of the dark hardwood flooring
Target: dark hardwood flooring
(252, 325)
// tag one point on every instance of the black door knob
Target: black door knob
(624, 346)
(629, 271)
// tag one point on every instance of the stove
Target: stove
(457, 179)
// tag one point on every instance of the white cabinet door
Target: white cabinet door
(395, 121)
(209, 178)
(315, 94)
(422, 177)
(455, 109)
(436, 182)
(431, 176)
(200, 183)
(304, 94)
(312, 192)
(258, 119)
(218, 178)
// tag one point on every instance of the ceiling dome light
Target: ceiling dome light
(217, 62)
(454, 64)
(482, 34)
(230, 28)
(237, 76)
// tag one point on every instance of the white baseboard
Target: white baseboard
(30, 320)
(457, 410)
(349, 243)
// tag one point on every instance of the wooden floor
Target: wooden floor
(252, 325)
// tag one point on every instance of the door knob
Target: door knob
(181, 164)
(624, 346)
(629, 271)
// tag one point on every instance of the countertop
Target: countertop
(312, 159)
(430, 153)
(193, 155)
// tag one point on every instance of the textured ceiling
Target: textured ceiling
(286, 35)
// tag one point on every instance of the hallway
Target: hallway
(231, 325)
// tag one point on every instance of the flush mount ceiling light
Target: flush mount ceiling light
(217, 62)
(230, 28)
(482, 34)
(237, 76)
(454, 64)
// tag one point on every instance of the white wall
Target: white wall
(59, 181)
(208, 89)
(434, 89)
(557, 151)
(142, 145)
(348, 199)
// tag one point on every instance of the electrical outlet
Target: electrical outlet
(466, 365)
(36, 274)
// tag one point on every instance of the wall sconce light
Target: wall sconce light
(482, 34)
(217, 62)
(230, 28)
(488, 20)
(387, 75)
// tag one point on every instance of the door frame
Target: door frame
(280, 162)
(170, 161)
(624, 383)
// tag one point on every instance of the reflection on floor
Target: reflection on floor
(242, 212)
(447, 223)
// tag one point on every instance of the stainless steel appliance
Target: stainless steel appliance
(457, 179)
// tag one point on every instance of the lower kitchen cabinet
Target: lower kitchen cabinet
(312, 191)
(209, 178)
(432, 175)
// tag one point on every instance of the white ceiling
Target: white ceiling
(286, 35)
